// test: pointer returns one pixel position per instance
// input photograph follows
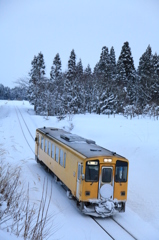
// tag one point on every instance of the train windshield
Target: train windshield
(106, 174)
(121, 171)
(92, 171)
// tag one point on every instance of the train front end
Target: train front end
(103, 188)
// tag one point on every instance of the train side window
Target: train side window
(53, 151)
(64, 160)
(49, 148)
(46, 145)
(61, 157)
(79, 171)
(57, 154)
(42, 143)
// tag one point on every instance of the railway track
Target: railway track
(18, 113)
(104, 224)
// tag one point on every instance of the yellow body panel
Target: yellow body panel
(120, 188)
(67, 175)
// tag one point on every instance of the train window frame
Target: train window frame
(90, 164)
(42, 143)
(64, 165)
(107, 168)
(49, 148)
(53, 151)
(45, 146)
(121, 168)
(61, 157)
(57, 154)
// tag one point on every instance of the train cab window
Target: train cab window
(106, 174)
(46, 145)
(64, 160)
(49, 148)
(42, 143)
(121, 171)
(61, 157)
(92, 171)
(53, 151)
(57, 154)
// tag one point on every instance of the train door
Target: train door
(79, 180)
(106, 183)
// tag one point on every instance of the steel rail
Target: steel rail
(23, 131)
(25, 124)
(118, 225)
(103, 228)
(124, 229)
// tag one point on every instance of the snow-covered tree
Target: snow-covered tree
(35, 89)
(79, 70)
(125, 64)
(155, 79)
(125, 76)
(104, 74)
(145, 71)
(104, 64)
(1, 91)
(112, 64)
(56, 71)
(70, 85)
(89, 97)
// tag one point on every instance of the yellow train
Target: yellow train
(95, 176)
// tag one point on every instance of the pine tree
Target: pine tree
(35, 89)
(56, 86)
(104, 63)
(70, 85)
(79, 88)
(71, 73)
(88, 94)
(112, 65)
(32, 89)
(155, 79)
(125, 76)
(125, 64)
(79, 70)
(145, 71)
(106, 75)
(56, 71)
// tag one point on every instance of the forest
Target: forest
(113, 87)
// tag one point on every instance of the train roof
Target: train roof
(86, 147)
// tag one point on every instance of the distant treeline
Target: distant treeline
(112, 87)
(18, 93)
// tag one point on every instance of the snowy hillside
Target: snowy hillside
(137, 139)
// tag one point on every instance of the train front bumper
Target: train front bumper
(103, 207)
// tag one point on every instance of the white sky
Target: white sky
(58, 26)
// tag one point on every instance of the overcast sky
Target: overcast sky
(58, 26)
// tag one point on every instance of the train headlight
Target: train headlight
(107, 160)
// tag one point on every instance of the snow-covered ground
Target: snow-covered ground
(137, 139)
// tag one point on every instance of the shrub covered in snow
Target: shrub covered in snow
(17, 215)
